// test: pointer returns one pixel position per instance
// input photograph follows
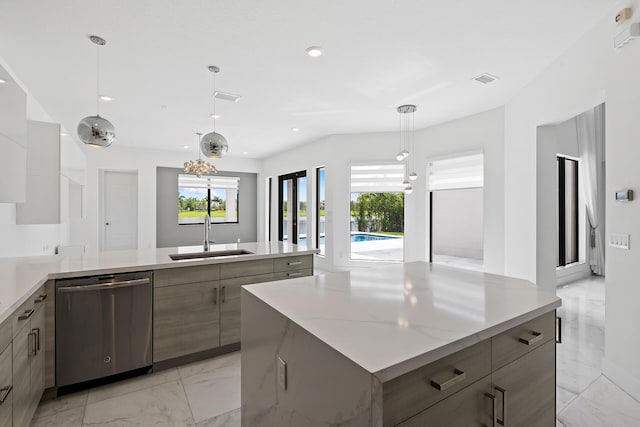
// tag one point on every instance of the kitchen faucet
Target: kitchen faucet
(207, 227)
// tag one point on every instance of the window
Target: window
(320, 205)
(213, 195)
(567, 251)
(377, 212)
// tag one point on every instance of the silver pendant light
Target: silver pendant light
(214, 145)
(199, 167)
(406, 153)
(95, 130)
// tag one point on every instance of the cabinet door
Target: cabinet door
(37, 359)
(22, 344)
(230, 305)
(529, 388)
(186, 319)
(468, 407)
(6, 387)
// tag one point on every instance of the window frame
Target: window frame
(318, 234)
(237, 221)
(562, 209)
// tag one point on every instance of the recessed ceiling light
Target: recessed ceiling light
(106, 98)
(2, 81)
(215, 116)
(314, 51)
(295, 129)
(245, 152)
(64, 134)
(185, 146)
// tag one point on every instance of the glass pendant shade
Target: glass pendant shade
(408, 190)
(96, 131)
(413, 176)
(199, 168)
(214, 145)
(402, 155)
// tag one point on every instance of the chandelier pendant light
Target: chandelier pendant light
(406, 145)
(97, 131)
(199, 167)
(214, 145)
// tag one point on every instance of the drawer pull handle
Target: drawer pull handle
(32, 343)
(458, 378)
(536, 337)
(215, 296)
(503, 421)
(294, 274)
(4, 393)
(295, 263)
(559, 338)
(224, 294)
(494, 411)
(41, 298)
(27, 314)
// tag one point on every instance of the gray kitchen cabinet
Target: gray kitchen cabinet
(6, 385)
(186, 319)
(42, 204)
(13, 140)
(22, 343)
(37, 358)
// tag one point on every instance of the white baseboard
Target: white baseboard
(621, 378)
(572, 273)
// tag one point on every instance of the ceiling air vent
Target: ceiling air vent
(485, 78)
(226, 96)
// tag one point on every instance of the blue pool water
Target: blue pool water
(357, 237)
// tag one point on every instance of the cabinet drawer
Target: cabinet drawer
(293, 263)
(293, 274)
(246, 268)
(409, 394)
(5, 333)
(248, 280)
(184, 275)
(468, 407)
(6, 386)
(22, 315)
(517, 341)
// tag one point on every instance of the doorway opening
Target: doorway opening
(292, 208)
(456, 211)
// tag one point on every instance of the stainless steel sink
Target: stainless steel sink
(210, 254)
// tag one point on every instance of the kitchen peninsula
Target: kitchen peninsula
(190, 311)
(411, 344)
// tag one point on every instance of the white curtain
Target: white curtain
(590, 130)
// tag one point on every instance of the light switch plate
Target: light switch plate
(620, 241)
(282, 373)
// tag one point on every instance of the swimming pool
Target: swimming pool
(357, 237)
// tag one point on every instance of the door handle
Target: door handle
(494, 411)
(37, 338)
(503, 421)
(295, 263)
(224, 294)
(215, 296)
(26, 314)
(4, 393)
(107, 223)
(41, 298)
(534, 338)
(459, 377)
(102, 286)
(32, 343)
(294, 274)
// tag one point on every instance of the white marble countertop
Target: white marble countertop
(20, 277)
(393, 319)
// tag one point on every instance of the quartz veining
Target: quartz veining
(20, 277)
(394, 319)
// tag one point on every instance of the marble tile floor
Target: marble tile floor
(584, 397)
(207, 393)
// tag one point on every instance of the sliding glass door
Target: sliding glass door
(292, 208)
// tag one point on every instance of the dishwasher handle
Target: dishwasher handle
(104, 286)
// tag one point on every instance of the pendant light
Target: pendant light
(199, 167)
(97, 131)
(406, 145)
(214, 145)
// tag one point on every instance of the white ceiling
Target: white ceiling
(378, 55)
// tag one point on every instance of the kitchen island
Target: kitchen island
(411, 344)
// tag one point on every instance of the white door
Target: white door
(120, 208)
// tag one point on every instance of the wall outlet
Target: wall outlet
(620, 241)
(282, 373)
(622, 16)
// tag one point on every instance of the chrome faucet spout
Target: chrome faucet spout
(207, 227)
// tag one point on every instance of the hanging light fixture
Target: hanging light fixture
(214, 145)
(406, 145)
(199, 167)
(95, 130)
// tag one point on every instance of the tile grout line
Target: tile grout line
(186, 397)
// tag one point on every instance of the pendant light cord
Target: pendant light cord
(98, 79)
(213, 95)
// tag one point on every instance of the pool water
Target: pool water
(356, 237)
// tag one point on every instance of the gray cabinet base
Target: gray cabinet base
(195, 357)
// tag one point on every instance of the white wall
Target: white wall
(145, 163)
(26, 240)
(482, 131)
(588, 74)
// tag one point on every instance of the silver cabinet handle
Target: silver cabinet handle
(103, 286)
(4, 393)
(37, 342)
(459, 377)
(224, 294)
(503, 421)
(32, 344)
(215, 296)
(41, 298)
(295, 263)
(26, 314)
(534, 338)
(294, 274)
(494, 411)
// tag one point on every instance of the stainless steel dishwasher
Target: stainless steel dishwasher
(103, 326)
